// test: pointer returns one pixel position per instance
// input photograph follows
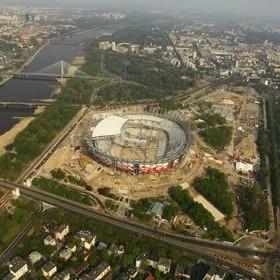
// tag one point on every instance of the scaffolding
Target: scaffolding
(151, 140)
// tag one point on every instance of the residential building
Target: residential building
(10, 276)
(102, 271)
(101, 245)
(71, 247)
(129, 273)
(18, 267)
(63, 275)
(183, 271)
(49, 269)
(34, 257)
(164, 265)
(49, 241)
(65, 254)
(87, 238)
(215, 274)
(61, 231)
(113, 249)
(140, 259)
(152, 260)
(120, 250)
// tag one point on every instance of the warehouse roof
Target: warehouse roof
(109, 126)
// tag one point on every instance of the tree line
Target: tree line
(199, 214)
(215, 188)
(31, 142)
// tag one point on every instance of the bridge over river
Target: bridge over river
(58, 70)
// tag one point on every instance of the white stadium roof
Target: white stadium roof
(109, 126)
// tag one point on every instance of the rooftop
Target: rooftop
(109, 126)
(103, 266)
(156, 209)
(48, 267)
(16, 264)
(85, 235)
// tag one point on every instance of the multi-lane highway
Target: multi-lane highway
(228, 256)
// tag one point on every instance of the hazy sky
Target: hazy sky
(252, 7)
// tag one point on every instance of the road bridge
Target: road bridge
(58, 70)
(31, 103)
(65, 43)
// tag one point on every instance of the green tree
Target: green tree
(170, 211)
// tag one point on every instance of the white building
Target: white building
(71, 247)
(18, 267)
(61, 231)
(49, 241)
(140, 258)
(164, 265)
(214, 274)
(98, 273)
(244, 167)
(49, 269)
(87, 238)
(65, 254)
(34, 257)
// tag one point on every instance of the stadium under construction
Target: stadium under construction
(138, 143)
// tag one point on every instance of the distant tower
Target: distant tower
(61, 69)
(29, 17)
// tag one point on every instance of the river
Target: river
(20, 90)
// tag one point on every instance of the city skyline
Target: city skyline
(248, 7)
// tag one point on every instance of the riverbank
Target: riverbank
(8, 137)
(28, 61)
(30, 87)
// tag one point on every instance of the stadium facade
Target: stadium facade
(139, 143)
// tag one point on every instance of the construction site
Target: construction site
(139, 143)
(137, 153)
(129, 150)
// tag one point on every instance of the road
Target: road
(207, 249)
(46, 154)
